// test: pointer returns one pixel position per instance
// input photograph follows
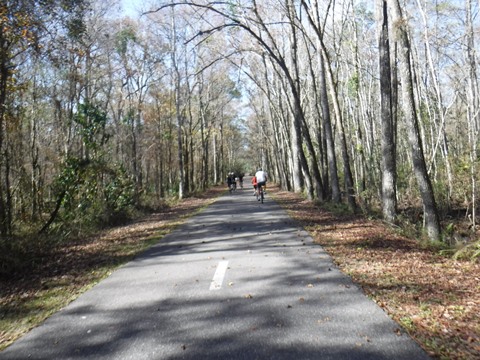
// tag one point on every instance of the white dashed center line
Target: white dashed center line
(219, 275)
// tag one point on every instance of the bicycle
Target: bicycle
(260, 195)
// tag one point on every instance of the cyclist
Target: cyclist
(261, 177)
(234, 181)
(231, 182)
(254, 183)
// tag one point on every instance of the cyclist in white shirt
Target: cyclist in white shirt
(261, 178)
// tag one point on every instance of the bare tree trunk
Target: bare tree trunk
(4, 78)
(329, 138)
(473, 109)
(215, 159)
(389, 165)
(281, 135)
(221, 154)
(440, 109)
(178, 110)
(318, 186)
(348, 176)
(432, 222)
(314, 20)
(34, 156)
(299, 160)
(205, 154)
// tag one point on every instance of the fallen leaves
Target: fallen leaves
(26, 299)
(435, 298)
(324, 320)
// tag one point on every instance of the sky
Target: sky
(131, 7)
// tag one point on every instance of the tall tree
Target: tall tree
(389, 168)
(473, 115)
(179, 102)
(22, 24)
(315, 22)
(432, 223)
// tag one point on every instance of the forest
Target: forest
(369, 105)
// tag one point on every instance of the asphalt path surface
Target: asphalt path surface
(238, 281)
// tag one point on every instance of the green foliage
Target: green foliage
(366, 199)
(238, 167)
(407, 224)
(119, 197)
(69, 179)
(407, 323)
(93, 192)
(75, 19)
(96, 194)
(92, 123)
(443, 6)
(353, 84)
(440, 189)
(167, 135)
(232, 7)
(462, 166)
(468, 252)
(363, 14)
(404, 175)
(335, 208)
(123, 38)
(129, 117)
(439, 247)
(76, 28)
(449, 229)
(235, 93)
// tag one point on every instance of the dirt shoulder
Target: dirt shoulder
(60, 276)
(435, 298)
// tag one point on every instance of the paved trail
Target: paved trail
(238, 281)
